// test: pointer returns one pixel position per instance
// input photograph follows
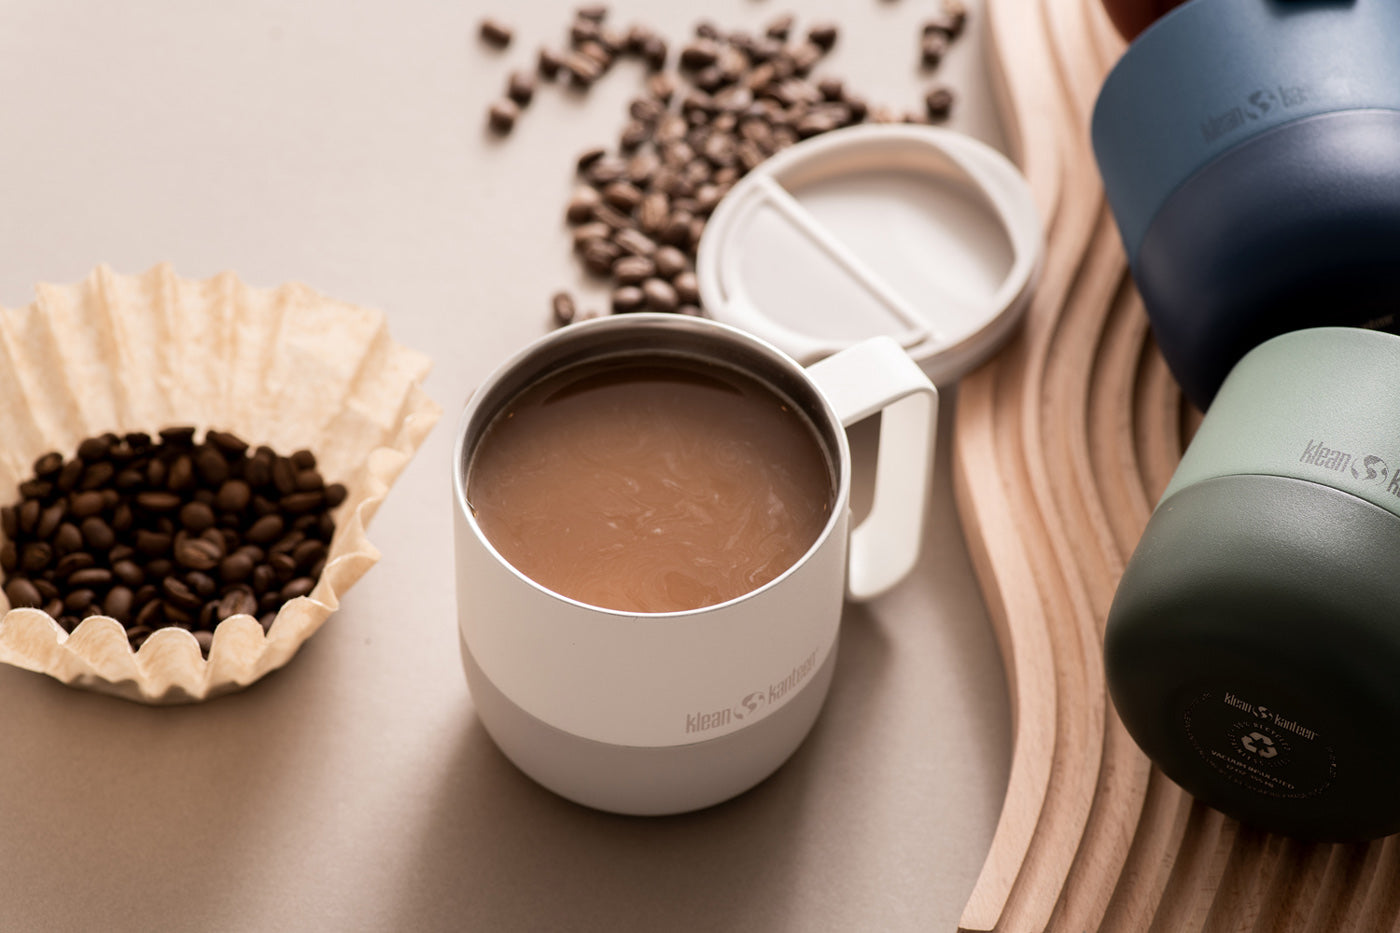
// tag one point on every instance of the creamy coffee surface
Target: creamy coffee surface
(650, 484)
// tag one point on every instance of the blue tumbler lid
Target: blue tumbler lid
(1213, 73)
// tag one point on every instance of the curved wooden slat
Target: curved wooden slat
(1062, 444)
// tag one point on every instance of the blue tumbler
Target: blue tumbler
(1250, 152)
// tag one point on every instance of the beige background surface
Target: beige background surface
(343, 145)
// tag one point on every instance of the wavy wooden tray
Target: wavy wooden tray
(1061, 446)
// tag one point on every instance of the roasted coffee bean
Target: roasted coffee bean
(699, 54)
(70, 564)
(83, 504)
(233, 496)
(521, 88)
(633, 270)
(231, 444)
(129, 573)
(178, 594)
(660, 295)
(178, 436)
(687, 288)
(501, 116)
(284, 476)
(628, 298)
(22, 593)
(49, 464)
(69, 475)
(582, 31)
(238, 600)
(9, 557)
(203, 585)
(266, 529)
(823, 35)
(158, 501)
(151, 615)
(779, 28)
(300, 586)
(622, 195)
(35, 489)
(258, 471)
(549, 63)
(635, 242)
(590, 233)
(933, 45)
(35, 557)
(196, 517)
(118, 603)
(78, 600)
(938, 103)
(633, 135)
(495, 33)
(654, 53)
(93, 577)
(308, 553)
(264, 578)
(599, 256)
(944, 25)
(97, 475)
(236, 567)
(563, 308)
(300, 502)
(29, 516)
(196, 553)
(581, 204)
(583, 69)
(97, 533)
(653, 212)
(178, 615)
(94, 448)
(50, 518)
(212, 467)
(67, 538)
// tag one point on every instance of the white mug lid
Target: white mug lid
(919, 233)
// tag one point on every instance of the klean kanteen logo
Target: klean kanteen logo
(1268, 715)
(751, 704)
(1367, 468)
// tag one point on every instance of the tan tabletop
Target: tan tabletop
(343, 145)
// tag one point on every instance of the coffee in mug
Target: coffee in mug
(650, 484)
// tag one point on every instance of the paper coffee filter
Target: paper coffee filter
(286, 367)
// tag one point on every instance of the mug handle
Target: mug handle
(876, 375)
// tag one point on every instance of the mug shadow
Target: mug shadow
(502, 853)
(107, 806)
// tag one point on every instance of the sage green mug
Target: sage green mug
(1253, 645)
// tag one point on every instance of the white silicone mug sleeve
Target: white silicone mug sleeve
(876, 375)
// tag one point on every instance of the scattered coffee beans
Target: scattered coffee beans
(166, 531)
(732, 100)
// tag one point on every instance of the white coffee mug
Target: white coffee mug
(653, 713)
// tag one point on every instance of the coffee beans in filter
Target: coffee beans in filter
(167, 531)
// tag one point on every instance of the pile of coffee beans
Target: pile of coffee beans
(164, 531)
(731, 100)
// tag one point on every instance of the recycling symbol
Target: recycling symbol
(1256, 743)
